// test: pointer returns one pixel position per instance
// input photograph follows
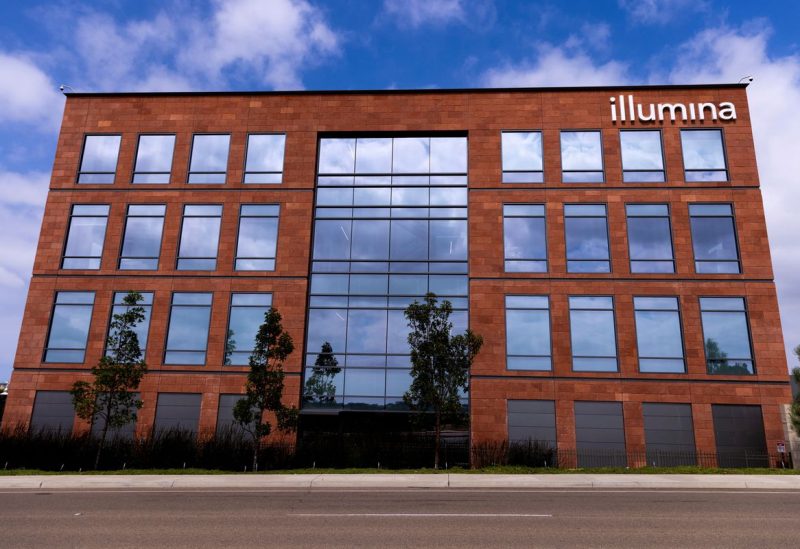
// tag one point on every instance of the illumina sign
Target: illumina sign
(626, 109)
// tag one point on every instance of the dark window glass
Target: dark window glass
(714, 239)
(52, 412)
(650, 238)
(727, 336)
(69, 327)
(143, 327)
(99, 160)
(258, 237)
(642, 157)
(586, 230)
(658, 334)
(154, 159)
(264, 158)
(522, 157)
(141, 245)
(703, 155)
(209, 162)
(581, 157)
(87, 234)
(199, 238)
(247, 315)
(187, 338)
(126, 432)
(524, 239)
(177, 412)
(593, 336)
(528, 333)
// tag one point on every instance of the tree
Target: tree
(110, 397)
(264, 387)
(440, 363)
(320, 387)
(718, 362)
(795, 410)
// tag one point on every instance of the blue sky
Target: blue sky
(120, 45)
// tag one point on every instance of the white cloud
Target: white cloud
(418, 13)
(27, 94)
(661, 12)
(557, 66)
(726, 55)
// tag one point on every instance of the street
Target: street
(399, 518)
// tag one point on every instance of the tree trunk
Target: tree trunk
(255, 454)
(102, 443)
(436, 442)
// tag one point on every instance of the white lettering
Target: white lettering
(727, 111)
(632, 111)
(672, 108)
(712, 109)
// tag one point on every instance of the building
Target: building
(608, 243)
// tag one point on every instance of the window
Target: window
(703, 155)
(726, 335)
(141, 245)
(593, 336)
(587, 238)
(658, 335)
(69, 327)
(714, 239)
(87, 233)
(177, 412)
(247, 315)
(99, 160)
(154, 159)
(264, 158)
(199, 238)
(642, 157)
(187, 337)
(522, 157)
(209, 162)
(581, 157)
(650, 238)
(52, 412)
(258, 237)
(143, 327)
(528, 333)
(524, 238)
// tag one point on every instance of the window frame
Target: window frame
(166, 349)
(83, 153)
(238, 231)
(746, 312)
(549, 325)
(608, 237)
(616, 335)
(52, 317)
(546, 259)
(247, 150)
(727, 169)
(157, 258)
(136, 158)
(180, 237)
(662, 171)
(271, 295)
(680, 327)
(602, 158)
(671, 236)
(503, 171)
(189, 171)
(732, 216)
(64, 255)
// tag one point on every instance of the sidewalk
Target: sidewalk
(400, 481)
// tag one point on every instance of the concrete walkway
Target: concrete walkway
(399, 481)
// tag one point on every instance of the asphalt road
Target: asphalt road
(399, 518)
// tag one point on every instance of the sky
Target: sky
(165, 45)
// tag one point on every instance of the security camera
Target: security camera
(61, 87)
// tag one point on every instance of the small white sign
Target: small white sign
(781, 447)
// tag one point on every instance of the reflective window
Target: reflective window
(586, 231)
(199, 237)
(86, 236)
(141, 245)
(703, 155)
(264, 158)
(390, 225)
(187, 337)
(659, 337)
(143, 327)
(209, 162)
(524, 238)
(99, 160)
(154, 159)
(581, 157)
(650, 238)
(528, 333)
(247, 315)
(593, 336)
(642, 157)
(714, 239)
(258, 237)
(522, 157)
(69, 327)
(727, 336)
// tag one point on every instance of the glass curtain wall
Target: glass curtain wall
(390, 225)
